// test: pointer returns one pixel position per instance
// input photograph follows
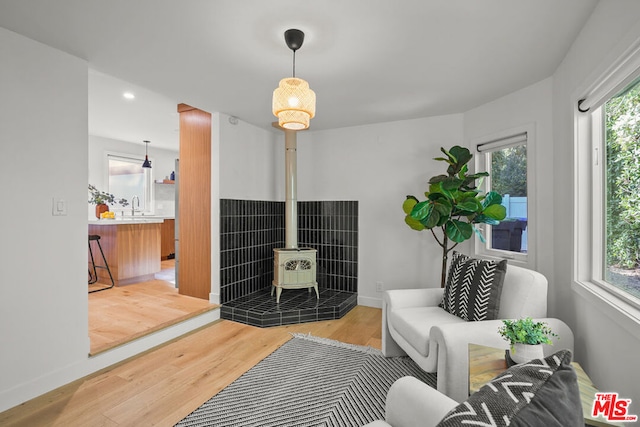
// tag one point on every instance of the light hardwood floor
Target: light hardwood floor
(124, 313)
(164, 385)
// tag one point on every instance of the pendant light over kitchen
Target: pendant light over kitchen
(294, 103)
(147, 163)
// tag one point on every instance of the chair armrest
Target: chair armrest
(410, 402)
(403, 298)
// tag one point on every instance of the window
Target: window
(507, 161)
(603, 118)
(127, 179)
(616, 202)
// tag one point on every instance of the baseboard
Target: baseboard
(370, 302)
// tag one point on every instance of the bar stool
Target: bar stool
(93, 276)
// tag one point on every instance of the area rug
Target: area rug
(309, 381)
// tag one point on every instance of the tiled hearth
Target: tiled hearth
(296, 306)
(251, 229)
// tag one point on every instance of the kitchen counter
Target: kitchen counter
(142, 219)
(131, 246)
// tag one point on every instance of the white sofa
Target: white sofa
(414, 325)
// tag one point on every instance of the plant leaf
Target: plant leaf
(492, 198)
(432, 220)
(469, 204)
(443, 208)
(498, 212)
(421, 210)
(462, 155)
(451, 183)
(458, 231)
(437, 179)
(408, 204)
(413, 223)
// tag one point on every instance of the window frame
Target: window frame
(597, 139)
(148, 196)
(481, 249)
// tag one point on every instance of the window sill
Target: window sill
(619, 311)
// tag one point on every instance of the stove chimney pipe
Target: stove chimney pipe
(291, 188)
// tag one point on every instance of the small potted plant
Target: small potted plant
(526, 338)
(101, 200)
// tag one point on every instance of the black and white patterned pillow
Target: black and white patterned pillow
(542, 392)
(473, 287)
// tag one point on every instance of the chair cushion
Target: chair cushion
(540, 392)
(414, 324)
(473, 287)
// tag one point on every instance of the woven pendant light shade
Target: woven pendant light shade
(294, 103)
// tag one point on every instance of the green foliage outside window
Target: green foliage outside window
(623, 179)
(508, 171)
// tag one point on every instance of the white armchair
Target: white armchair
(410, 403)
(414, 325)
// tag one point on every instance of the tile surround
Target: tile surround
(251, 229)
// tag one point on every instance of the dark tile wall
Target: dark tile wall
(331, 227)
(251, 229)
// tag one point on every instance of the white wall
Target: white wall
(605, 345)
(249, 161)
(43, 154)
(378, 165)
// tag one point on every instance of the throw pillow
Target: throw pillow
(473, 287)
(542, 392)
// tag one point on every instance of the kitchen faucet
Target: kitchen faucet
(133, 205)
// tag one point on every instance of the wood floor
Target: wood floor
(122, 314)
(164, 385)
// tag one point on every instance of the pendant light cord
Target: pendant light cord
(294, 62)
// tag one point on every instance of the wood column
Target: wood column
(194, 204)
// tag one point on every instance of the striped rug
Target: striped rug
(309, 381)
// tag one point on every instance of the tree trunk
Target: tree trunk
(443, 274)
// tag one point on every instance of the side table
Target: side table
(485, 363)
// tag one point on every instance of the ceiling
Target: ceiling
(368, 61)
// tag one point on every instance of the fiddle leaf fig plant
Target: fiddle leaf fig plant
(453, 205)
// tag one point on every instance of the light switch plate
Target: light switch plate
(59, 207)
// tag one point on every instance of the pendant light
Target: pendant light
(294, 103)
(147, 163)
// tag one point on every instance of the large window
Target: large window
(506, 160)
(619, 200)
(606, 195)
(128, 179)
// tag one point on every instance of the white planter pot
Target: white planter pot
(525, 352)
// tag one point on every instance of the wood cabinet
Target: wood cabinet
(167, 238)
(132, 251)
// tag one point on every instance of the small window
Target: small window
(128, 179)
(506, 160)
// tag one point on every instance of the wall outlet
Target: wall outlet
(379, 286)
